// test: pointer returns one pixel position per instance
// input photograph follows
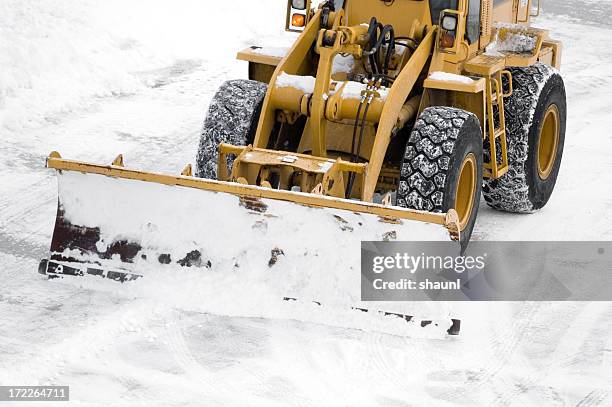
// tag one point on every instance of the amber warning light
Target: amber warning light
(298, 20)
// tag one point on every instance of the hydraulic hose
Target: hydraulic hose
(377, 34)
(356, 154)
(355, 126)
(390, 47)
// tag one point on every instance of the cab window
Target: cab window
(473, 21)
(437, 6)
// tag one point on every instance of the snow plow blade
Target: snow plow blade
(123, 224)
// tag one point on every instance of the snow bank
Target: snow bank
(57, 56)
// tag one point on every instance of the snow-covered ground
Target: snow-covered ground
(93, 79)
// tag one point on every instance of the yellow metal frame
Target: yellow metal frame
(527, 11)
(539, 9)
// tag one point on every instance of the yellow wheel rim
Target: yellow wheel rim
(548, 142)
(466, 188)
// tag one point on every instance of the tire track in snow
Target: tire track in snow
(209, 381)
(594, 398)
(503, 346)
(506, 346)
(302, 346)
(24, 246)
(22, 231)
(568, 350)
(25, 200)
(174, 336)
(50, 360)
(385, 364)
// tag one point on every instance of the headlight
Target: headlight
(298, 4)
(449, 22)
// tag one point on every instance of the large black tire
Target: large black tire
(232, 118)
(441, 141)
(523, 189)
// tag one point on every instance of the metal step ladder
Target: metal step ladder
(492, 69)
(496, 125)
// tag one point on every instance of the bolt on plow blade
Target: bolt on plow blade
(123, 224)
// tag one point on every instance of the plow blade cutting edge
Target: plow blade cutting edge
(124, 224)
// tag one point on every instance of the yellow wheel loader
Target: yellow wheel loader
(385, 120)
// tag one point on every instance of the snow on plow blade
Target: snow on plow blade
(123, 224)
